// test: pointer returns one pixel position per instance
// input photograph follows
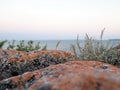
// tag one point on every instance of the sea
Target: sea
(63, 44)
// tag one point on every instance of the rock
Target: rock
(117, 61)
(72, 75)
(44, 87)
(117, 47)
(13, 63)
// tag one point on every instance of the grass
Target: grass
(92, 49)
(23, 46)
(2, 43)
(26, 46)
(95, 50)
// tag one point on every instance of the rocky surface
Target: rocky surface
(13, 63)
(54, 70)
(117, 63)
(72, 75)
(117, 47)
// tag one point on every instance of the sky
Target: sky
(59, 19)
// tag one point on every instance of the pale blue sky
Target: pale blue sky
(59, 19)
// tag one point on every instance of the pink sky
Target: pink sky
(60, 18)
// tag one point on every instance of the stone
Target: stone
(117, 61)
(72, 75)
(13, 63)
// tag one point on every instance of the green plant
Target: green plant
(37, 46)
(21, 46)
(11, 45)
(25, 46)
(2, 43)
(94, 50)
(45, 47)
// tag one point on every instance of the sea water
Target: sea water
(63, 44)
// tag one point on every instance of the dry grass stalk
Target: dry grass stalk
(58, 44)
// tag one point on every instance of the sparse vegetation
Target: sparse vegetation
(95, 50)
(25, 46)
(91, 50)
(2, 43)
(57, 44)
(11, 45)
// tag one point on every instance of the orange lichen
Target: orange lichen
(72, 75)
(37, 74)
(19, 62)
